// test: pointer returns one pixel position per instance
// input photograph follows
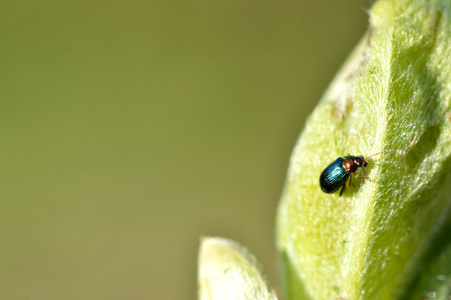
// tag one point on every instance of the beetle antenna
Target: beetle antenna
(380, 153)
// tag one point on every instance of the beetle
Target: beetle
(337, 173)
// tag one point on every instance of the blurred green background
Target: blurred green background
(131, 128)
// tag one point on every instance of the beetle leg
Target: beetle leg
(342, 189)
(363, 170)
(364, 177)
(350, 181)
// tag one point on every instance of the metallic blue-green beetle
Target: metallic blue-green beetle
(337, 173)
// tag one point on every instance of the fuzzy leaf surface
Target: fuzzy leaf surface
(394, 92)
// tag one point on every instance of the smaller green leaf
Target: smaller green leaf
(227, 270)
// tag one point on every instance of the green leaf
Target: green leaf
(379, 239)
(228, 271)
(434, 281)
